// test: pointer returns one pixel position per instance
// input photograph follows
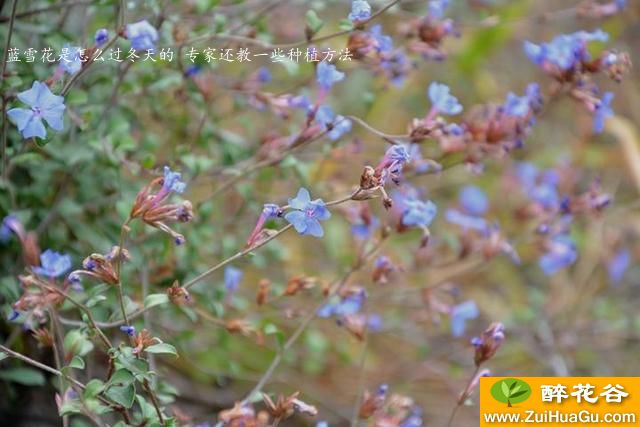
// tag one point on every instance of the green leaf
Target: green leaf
(93, 388)
(520, 393)
(155, 299)
(3, 355)
(122, 395)
(24, 376)
(514, 389)
(77, 343)
(505, 389)
(313, 21)
(77, 363)
(162, 348)
(122, 377)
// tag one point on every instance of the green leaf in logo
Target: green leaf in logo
(510, 391)
(505, 389)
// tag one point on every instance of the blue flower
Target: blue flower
(603, 110)
(13, 316)
(44, 105)
(460, 314)
(618, 265)
(360, 11)
(383, 42)
(172, 181)
(442, 100)
(7, 226)
(307, 214)
(324, 116)
(71, 59)
(264, 75)
(232, 278)
(437, 8)
(473, 200)
(418, 213)
(363, 230)
(101, 37)
(351, 304)
(129, 330)
(463, 220)
(327, 75)
(565, 50)
(192, 70)
(143, 35)
(517, 106)
(53, 264)
(341, 127)
(561, 253)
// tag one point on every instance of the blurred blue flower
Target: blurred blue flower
(307, 214)
(192, 70)
(7, 226)
(13, 316)
(473, 200)
(324, 116)
(143, 35)
(101, 37)
(603, 110)
(327, 75)
(565, 50)
(460, 314)
(71, 59)
(618, 265)
(232, 278)
(172, 181)
(264, 75)
(360, 11)
(383, 43)
(44, 105)
(341, 127)
(129, 330)
(517, 106)
(418, 213)
(465, 221)
(437, 8)
(351, 304)
(363, 230)
(561, 253)
(442, 100)
(53, 264)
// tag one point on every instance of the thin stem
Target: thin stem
(4, 99)
(154, 400)
(8, 44)
(463, 396)
(55, 344)
(123, 235)
(392, 139)
(240, 254)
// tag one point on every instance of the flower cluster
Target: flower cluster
(151, 209)
(568, 61)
